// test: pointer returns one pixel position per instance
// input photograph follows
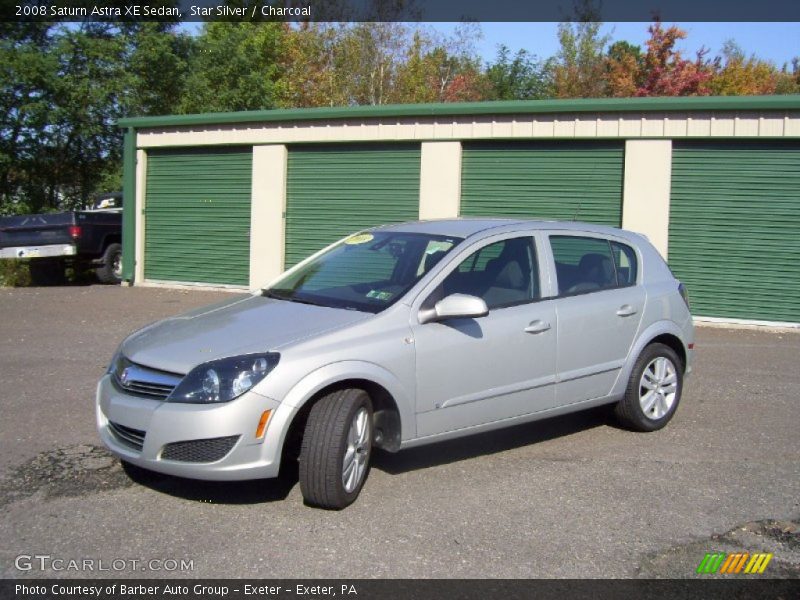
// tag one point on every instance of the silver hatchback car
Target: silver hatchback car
(401, 336)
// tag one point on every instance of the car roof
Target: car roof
(467, 227)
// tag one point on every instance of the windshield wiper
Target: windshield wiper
(290, 297)
(306, 301)
(267, 293)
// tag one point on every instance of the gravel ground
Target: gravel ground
(568, 497)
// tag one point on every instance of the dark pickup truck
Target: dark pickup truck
(81, 239)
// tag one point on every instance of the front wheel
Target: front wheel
(336, 449)
(654, 389)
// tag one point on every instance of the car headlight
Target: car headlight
(224, 379)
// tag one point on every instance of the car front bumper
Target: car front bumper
(163, 423)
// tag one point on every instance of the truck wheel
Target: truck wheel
(111, 269)
(47, 272)
(337, 444)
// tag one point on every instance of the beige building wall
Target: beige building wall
(267, 214)
(141, 191)
(635, 125)
(440, 180)
(645, 204)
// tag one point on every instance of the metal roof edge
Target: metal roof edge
(582, 105)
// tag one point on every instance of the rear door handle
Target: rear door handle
(537, 326)
(626, 310)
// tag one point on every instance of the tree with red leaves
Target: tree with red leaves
(666, 72)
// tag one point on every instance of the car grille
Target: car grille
(127, 436)
(144, 381)
(199, 451)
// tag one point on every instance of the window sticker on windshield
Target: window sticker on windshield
(379, 295)
(361, 238)
(434, 247)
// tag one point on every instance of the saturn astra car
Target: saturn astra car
(400, 336)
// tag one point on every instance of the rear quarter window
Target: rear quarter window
(626, 263)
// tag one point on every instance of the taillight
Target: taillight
(75, 231)
(684, 294)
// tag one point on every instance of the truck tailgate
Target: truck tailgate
(36, 230)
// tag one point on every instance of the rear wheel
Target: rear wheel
(654, 389)
(336, 449)
(111, 269)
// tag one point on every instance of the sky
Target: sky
(778, 42)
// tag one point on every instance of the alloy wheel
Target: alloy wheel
(356, 454)
(658, 388)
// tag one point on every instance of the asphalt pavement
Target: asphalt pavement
(574, 496)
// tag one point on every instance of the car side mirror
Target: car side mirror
(455, 306)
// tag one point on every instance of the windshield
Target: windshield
(367, 271)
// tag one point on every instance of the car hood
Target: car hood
(233, 327)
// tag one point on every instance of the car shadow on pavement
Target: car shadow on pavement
(255, 491)
(491, 442)
(271, 490)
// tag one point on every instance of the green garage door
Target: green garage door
(734, 232)
(544, 180)
(197, 216)
(335, 190)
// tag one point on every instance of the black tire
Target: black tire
(325, 443)
(111, 270)
(629, 411)
(45, 271)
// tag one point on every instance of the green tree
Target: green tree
(416, 77)
(738, 75)
(789, 78)
(304, 65)
(27, 69)
(62, 89)
(234, 66)
(579, 67)
(156, 65)
(365, 62)
(521, 77)
(459, 72)
(442, 68)
(82, 137)
(624, 69)
(378, 63)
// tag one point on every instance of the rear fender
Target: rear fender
(645, 337)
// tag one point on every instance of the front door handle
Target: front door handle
(537, 326)
(626, 310)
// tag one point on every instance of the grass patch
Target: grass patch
(14, 273)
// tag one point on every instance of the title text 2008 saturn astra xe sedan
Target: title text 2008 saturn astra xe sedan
(399, 336)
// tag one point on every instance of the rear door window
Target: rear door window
(583, 264)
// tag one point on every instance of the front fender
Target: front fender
(645, 337)
(336, 372)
